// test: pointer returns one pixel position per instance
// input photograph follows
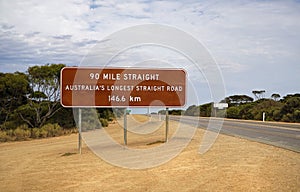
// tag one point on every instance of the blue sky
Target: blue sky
(255, 43)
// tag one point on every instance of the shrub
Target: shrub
(296, 115)
(10, 132)
(51, 130)
(276, 115)
(104, 122)
(21, 133)
(258, 116)
(4, 137)
(35, 133)
(8, 125)
(43, 133)
(233, 112)
(24, 133)
(48, 130)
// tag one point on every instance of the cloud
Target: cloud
(64, 37)
(243, 36)
(256, 28)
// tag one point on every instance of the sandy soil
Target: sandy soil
(232, 164)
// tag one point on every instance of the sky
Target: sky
(256, 44)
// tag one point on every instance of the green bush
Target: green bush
(285, 118)
(258, 116)
(22, 133)
(39, 133)
(35, 133)
(48, 130)
(43, 133)
(64, 117)
(233, 112)
(4, 137)
(104, 122)
(51, 130)
(8, 125)
(276, 115)
(10, 132)
(296, 115)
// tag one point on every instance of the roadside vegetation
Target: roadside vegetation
(286, 109)
(30, 106)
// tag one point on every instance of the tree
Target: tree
(237, 100)
(267, 106)
(43, 101)
(275, 96)
(206, 110)
(291, 108)
(13, 90)
(192, 110)
(245, 110)
(176, 112)
(259, 94)
(233, 112)
(285, 98)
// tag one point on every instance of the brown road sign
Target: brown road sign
(116, 87)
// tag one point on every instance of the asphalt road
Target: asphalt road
(285, 135)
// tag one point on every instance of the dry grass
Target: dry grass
(232, 164)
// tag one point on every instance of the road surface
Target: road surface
(285, 135)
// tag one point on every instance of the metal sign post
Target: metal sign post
(167, 124)
(125, 126)
(79, 131)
